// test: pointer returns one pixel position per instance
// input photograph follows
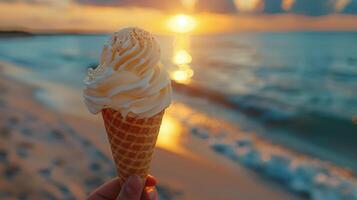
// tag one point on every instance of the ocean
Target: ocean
(301, 84)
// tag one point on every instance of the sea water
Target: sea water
(303, 84)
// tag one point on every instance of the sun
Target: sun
(182, 23)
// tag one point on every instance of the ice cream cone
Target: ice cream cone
(132, 141)
(130, 79)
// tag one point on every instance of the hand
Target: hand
(131, 190)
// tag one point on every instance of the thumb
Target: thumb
(132, 189)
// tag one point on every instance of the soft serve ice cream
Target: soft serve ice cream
(129, 78)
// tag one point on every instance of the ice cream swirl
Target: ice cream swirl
(129, 78)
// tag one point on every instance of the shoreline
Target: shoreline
(67, 99)
(205, 140)
(290, 139)
(197, 138)
(67, 135)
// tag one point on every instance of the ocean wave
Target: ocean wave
(316, 127)
(273, 112)
(302, 174)
(314, 178)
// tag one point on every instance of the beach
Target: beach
(257, 99)
(259, 138)
(66, 156)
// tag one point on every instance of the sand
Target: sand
(57, 154)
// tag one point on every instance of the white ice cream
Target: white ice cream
(129, 78)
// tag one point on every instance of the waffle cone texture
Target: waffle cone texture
(132, 140)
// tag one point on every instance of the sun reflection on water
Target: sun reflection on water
(248, 5)
(183, 74)
(182, 58)
(170, 133)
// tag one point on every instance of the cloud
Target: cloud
(303, 7)
(42, 18)
(41, 2)
(217, 6)
(157, 4)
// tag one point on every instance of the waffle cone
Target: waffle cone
(132, 140)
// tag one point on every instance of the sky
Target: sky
(212, 16)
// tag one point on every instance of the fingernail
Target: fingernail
(150, 181)
(151, 193)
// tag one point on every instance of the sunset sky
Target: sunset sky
(212, 16)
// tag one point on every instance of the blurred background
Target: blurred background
(265, 103)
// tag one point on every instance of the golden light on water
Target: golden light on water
(287, 4)
(354, 119)
(341, 4)
(169, 136)
(182, 23)
(182, 57)
(182, 75)
(248, 5)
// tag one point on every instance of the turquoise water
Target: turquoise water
(303, 83)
